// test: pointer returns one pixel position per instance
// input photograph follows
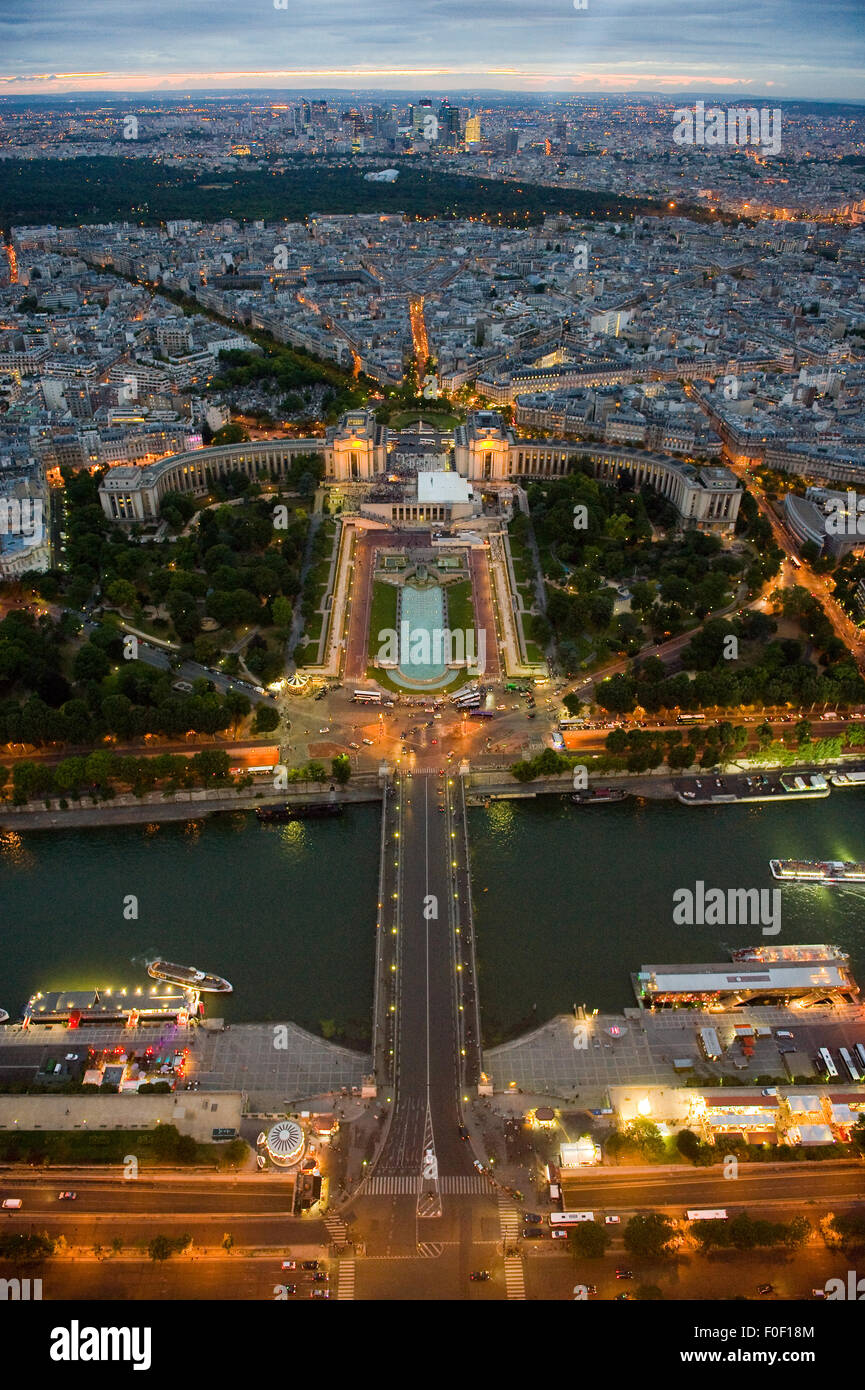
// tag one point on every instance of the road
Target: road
(427, 1063)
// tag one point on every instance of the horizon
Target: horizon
(609, 46)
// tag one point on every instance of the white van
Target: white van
(12, 1202)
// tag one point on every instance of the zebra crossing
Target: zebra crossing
(345, 1283)
(336, 1229)
(464, 1186)
(515, 1284)
(509, 1220)
(393, 1185)
(409, 1185)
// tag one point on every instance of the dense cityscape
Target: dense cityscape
(390, 472)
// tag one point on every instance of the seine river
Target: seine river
(568, 901)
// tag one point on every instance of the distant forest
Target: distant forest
(111, 189)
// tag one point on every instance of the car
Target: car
(68, 1196)
(479, 1276)
(368, 742)
(320, 1277)
(532, 1217)
(464, 1134)
(434, 741)
(591, 1290)
(624, 1274)
(441, 772)
(320, 1293)
(612, 1221)
(354, 745)
(309, 1264)
(324, 731)
(558, 1233)
(289, 1264)
(290, 1289)
(478, 1165)
(623, 1297)
(533, 1233)
(783, 1033)
(12, 1203)
(765, 1288)
(818, 1293)
(770, 1091)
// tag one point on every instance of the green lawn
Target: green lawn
(461, 612)
(383, 612)
(439, 419)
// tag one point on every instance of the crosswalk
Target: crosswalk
(515, 1284)
(393, 1185)
(464, 1186)
(345, 1282)
(409, 1185)
(509, 1220)
(336, 1229)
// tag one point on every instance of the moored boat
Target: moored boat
(598, 796)
(817, 870)
(188, 976)
(284, 811)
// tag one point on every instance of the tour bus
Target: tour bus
(571, 722)
(854, 1072)
(690, 718)
(859, 1049)
(708, 1214)
(570, 1218)
(824, 1060)
(366, 697)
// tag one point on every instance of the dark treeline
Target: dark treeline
(119, 189)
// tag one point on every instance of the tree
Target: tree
(19, 1248)
(160, 1248)
(341, 769)
(650, 1235)
(266, 719)
(589, 1240)
(282, 610)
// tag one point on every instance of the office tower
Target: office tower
(473, 130)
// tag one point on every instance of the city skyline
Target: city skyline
(609, 46)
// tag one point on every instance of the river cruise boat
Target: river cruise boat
(188, 977)
(284, 811)
(817, 871)
(598, 796)
(776, 955)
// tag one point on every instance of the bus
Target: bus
(859, 1049)
(571, 722)
(852, 1069)
(570, 1218)
(689, 718)
(366, 697)
(467, 701)
(824, 1060)
(796, 561)
(708, 1214)
(557, 742)
(482, 714)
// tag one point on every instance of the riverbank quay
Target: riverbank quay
(180, 806)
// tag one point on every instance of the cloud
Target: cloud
(800, 47)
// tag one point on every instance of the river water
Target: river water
(568, 901)
(286, 913)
